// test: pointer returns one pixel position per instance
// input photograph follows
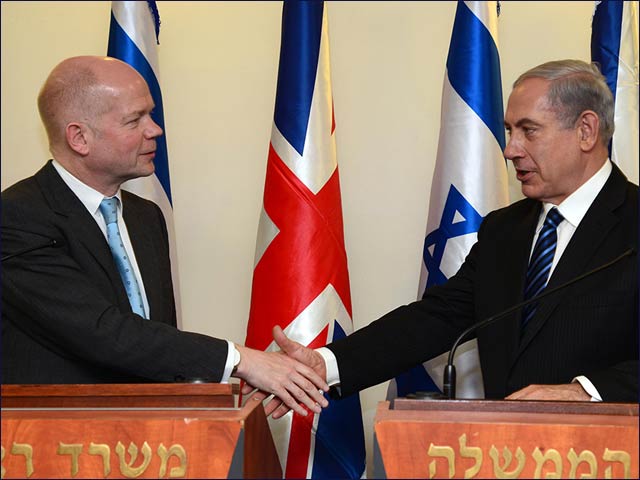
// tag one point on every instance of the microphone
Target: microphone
(49, 243)
(449, 382)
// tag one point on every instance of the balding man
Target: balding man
(87, 293)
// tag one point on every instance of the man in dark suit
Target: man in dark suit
(578, 344)
(80, 308)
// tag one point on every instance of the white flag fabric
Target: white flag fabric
(133, 38)
(470, 178)
(301, 277)
(614, 46)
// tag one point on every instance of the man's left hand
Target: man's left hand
(570, 392)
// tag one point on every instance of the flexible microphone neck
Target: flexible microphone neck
(449, 382)
(49, 243)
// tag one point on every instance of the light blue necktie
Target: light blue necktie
(540, 263)
(109, 208)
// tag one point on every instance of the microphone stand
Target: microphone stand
(449, 379)
(49, 243)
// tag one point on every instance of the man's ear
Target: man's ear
(77, 136)
(588, 130)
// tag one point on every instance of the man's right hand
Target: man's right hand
(299, 352)
(276, 408)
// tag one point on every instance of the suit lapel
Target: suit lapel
(66, 205)
(144, 247)
(514, 257)
(584, 244)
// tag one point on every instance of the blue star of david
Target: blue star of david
(447, 230)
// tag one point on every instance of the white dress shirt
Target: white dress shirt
(573, 209)
(91, 199)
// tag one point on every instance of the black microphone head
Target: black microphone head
(50, 242)
(449, 381)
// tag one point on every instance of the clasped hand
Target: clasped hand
(295, 376)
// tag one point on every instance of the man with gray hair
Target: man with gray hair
(580, 343)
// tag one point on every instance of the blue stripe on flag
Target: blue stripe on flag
(156, 18)
(605, 40)
(474, 54)
(339, 451)
(451, 226)
(299, 52)
(473, 72)
(123, 48)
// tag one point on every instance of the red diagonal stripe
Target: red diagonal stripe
(307, 254)
(301, 427)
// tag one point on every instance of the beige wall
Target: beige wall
(218, 64)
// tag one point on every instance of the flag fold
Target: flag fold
(301, 279)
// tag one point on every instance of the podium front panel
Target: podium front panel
(137, 442)
(452, 442)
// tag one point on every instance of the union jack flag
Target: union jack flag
(301, 280)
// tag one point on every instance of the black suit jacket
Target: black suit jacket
(65, 314)
(588, 329)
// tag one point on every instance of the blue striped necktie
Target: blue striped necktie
(540, 263)
(109, 208)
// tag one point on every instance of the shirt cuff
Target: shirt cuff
(331, 365)
(228, 366)
(588, 387)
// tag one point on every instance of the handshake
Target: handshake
(295, 375)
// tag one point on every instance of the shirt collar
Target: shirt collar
(575, 206)
(89, 197)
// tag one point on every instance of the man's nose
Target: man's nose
(153, 130)
(511, 151)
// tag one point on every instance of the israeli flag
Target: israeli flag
(614, 46)
(133, 38)
(470, 178)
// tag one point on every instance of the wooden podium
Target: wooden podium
(505, 439)
(134, 431)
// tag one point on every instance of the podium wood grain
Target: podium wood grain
(500, 439)
(151, 395)
(136, 438)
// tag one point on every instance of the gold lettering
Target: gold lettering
(126, 469)
(540, 458)
(178, 451)
(439, 451)
(617, 456)
(500, 472)
(26, 450)
(470, 452)
(585, 456)
(105, 452)
(73, 449)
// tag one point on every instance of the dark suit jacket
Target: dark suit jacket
(65, 314)
(590, 328)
